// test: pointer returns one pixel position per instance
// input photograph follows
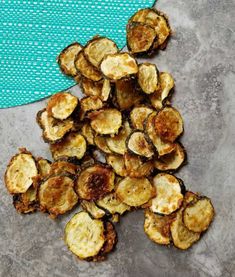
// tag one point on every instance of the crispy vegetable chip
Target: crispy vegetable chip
(135, 192)
(88, 133)
(101, 89)
(92, 209)
(138, 116)
(106, 121)
(97, 48)
(84, 236)
(73, 145)
(67, 57)
(101, 143)
(90, 103)
(117, 163)
(57, 195)
(63, 168)
(118, 66)
(95, 182)
(44, 167)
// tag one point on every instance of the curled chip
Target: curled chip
(159, 97)
(140, 37)
(88, 133)
(84, 236)
(95, 182)
(138, 144)
(101, 143)
(161, 146)
(138, 116)
(63, 168)
(182, 237)
(90, 103)
(198, 216)
(92, 209)
(169, 124)
(20, 172)
(148, 78)
(157, 227)
(56, 195)
(73, 145)
(136, 167)
(173, 160)
(44, 167)
(117, 163)
(53, 129)
(117, 143)
(106, 121)
(67, 57)
(135, 192)
(86, 69)
(158, 21)
(118, 66)
(61, 105)
(126, 94)
(169, 197)
(97, 48)
(112, 204)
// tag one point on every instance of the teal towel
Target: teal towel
(33, 32)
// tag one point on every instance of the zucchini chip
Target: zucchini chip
(148, 78)
(182, 237)
(117, 143)
(161, 146)
(86, 69)
(135, 192)
(171, 161)
(57, 196)
(88, 133)
(90, 103)
(102, 145)
(44, 167)
(136, 167)
(169, 196)
(61, 105)
(140, 37)
(138, 144)
(92, 209)
(72, 146)
(198, 216)
(113, 205)
(20, 172)
(53, 129)
(118, 66)
(157, 227)
(84, 236)
(95, 182)
(67, 57)
(106, 121)
(63, 168)
(126, 94)
(159, 97)
(117, 163)
(138, 116)
(169, 124)
(97, 48)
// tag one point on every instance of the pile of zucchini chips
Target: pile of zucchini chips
(115, 150)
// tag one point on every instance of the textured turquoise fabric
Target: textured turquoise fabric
(33, 32)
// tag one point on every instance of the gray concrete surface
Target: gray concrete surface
(201, 57)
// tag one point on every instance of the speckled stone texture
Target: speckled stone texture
(201, 58)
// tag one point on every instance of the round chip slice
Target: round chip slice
(84, 236)
(135, 192)
(44, 167)
(117, 163)
(169, 197)
(95, 182)
(138, 116)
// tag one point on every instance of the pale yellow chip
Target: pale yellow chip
(101, 143)
(92, 209)
(148, 78)
(88, 133)
(44, 167)
(138, 116)
(117, 163)
(90, 103)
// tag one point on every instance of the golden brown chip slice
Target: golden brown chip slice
(86, 69)
(117, 163)
(67, 57)
(88, 133)
(61, 105)
(63, 167)
(106, 121)
(169, 197)
(168, 124)
(138, 116)
(44, 167)
(138, 144)
(198, 216)
(20, 172)
(73, 145)
(90, 103)
(135, 192)
(140, 37)
(92, 209)
(95, 182)
(53, 129)
(118, 66)
(57, 196)
(101, 143)
(97, 48)
(84, 236)
(157, 227)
